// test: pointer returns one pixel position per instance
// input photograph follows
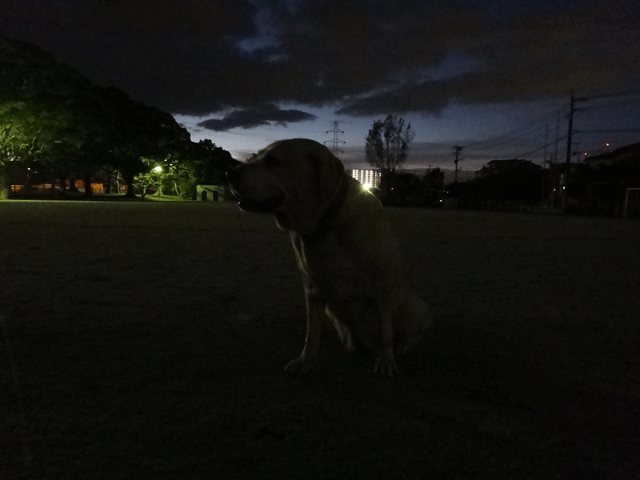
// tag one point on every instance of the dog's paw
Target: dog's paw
(386, 367)
(301, 366)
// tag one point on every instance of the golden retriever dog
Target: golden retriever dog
(346, 252)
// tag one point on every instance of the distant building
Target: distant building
(213, 193)
(624, 155)
(368, 178)
(610, 184)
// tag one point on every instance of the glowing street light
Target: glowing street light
(158, 169)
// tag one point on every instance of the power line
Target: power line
(637, 130)
(547, 144)
(521, 130)
(527, 131)
(628, 93)
(571, 112)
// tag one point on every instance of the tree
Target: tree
(513, 180)
(40, 102)
(151, 177)
(388, 142)
(387, 146)
(54, 118)
(135, 131)
(210, 162)
(433, 187)
(19, 142)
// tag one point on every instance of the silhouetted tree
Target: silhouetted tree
(387, 143)
(210, 162)
(518, 181)
(387, 146)
(135, 131)
(432, 187)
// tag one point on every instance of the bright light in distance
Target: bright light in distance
(367, 186)
(158, 169)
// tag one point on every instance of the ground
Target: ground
(148, 340)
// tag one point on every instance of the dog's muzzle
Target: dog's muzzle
(264, 205)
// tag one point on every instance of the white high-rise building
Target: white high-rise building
(368, 178)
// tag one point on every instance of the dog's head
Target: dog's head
(296, 180)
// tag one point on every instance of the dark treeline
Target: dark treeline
(58, 127)
(517, 182)
(502, 185)
(598, 186)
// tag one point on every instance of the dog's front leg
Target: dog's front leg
(386, 364)
(308, 359)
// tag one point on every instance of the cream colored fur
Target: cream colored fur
(346, 252)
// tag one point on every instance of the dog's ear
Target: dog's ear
(316, 177)
(329, 172)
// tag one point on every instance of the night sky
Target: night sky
(493, 77)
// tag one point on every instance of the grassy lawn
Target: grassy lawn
(148, 340)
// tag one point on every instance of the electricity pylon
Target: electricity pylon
(335, 149)
(457, 149)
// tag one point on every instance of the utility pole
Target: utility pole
(546, 141)
(335, 149)
(553, 164)
(544, 164)
(457, 151)
(572, 110)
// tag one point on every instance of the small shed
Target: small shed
(213, 193)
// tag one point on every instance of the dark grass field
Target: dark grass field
(148, 340)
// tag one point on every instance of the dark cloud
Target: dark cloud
(365, 58)
(529, 56)
(255, 117)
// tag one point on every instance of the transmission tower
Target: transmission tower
(335, 149)
(457, 151)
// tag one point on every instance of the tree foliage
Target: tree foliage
(53, 118)
(133, 131)
(387, 143)
(502, 183)
(210, 162)
(510, 180)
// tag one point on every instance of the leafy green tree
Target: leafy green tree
(39, 101)
(19, 141)
(135, 131)
(152, 177)
(181, 179)
(51, 115)
(171, 175)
